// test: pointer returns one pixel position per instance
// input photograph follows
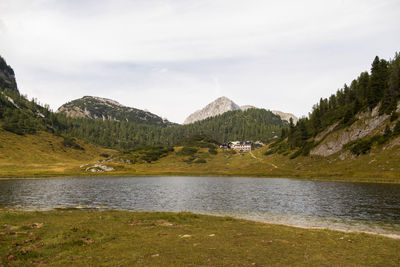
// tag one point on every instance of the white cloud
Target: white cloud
(171, 56)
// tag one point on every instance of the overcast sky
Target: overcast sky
(173, 57)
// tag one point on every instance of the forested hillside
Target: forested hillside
(252, 124)
(379, 89)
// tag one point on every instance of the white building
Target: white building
(240, 146)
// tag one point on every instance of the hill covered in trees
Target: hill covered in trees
(356, 117)
(252, 124)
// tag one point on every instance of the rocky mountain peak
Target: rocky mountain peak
(224, 104)
(217, 107)
(102, 100)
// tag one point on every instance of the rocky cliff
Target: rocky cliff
(368, 123)
(285, 116)
(7, 77)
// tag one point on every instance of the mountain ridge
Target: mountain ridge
(224, 104)
(94, 107)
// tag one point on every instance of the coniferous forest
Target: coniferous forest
(379, 88)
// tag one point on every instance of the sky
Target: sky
(173, 57)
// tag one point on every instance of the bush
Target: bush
(212, 151)
(269, 152)
(13, 127)
(200, 161)
(71, 143)
(230, 151)
(146, 153)
(199, 140)
(189, 160)
(360, 146)
(187, 151)
(394, 116)
(296, 154)
(396, 130)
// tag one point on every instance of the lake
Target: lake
(368, 207)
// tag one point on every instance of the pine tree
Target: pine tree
(378, 81)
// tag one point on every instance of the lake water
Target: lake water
(343, 206)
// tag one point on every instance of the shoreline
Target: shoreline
(127, 238)
(215, 175)
(249, 219)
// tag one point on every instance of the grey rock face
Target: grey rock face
(285, 116)
(7, 77)
(366, 124)
(217, 107)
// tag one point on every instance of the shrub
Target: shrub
(199, 140)
(269, 152)
(360, 146)
(230, 151)
(71, 143)
(146, 153)
(212, 151)
(394, 116)
(396, 130)
(189, 160)
(187, 151)
(200, 161)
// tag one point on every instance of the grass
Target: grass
(43, 155)
(121, 238)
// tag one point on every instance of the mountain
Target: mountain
(7, 77)
(224, 104)
(251, 124)
(285, 116)
(217, 107)
(102, 108)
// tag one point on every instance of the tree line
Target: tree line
(381, 85)
(23, 116)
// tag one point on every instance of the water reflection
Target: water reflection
(351, 206)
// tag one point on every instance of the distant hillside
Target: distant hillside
(224, 104)
(252, 124)
(107, 109)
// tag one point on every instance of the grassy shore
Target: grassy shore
(120, 238)
(43, 155)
